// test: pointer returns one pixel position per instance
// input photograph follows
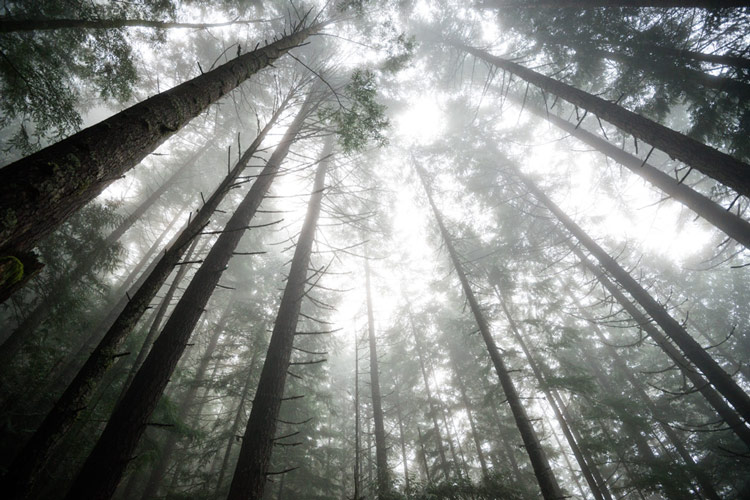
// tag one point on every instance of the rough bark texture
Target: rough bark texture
(255, 455)
(9, 24)
(59, 420)
(719, 378)
(39, 192)
(731, 224)
(381, 456)
(104, 467)
(708, 160)
(542, 469)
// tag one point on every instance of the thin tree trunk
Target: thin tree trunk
(399, 415)
(381, 457)
(720, 379)
(32, 458)
(718, 403)
(160, 468)
(258, 441)
(731, 224)
(433, 407)
(590, 4)
(542, 469)
(39, 192)
(423, 455)
(357, 458)
(102, 470)
(9, 24)
(239, 416)
(710, 161)
(599, 489)
(727, 60)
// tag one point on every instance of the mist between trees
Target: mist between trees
(375, 250)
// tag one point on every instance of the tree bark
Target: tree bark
(39, 192)
(719, 378)
(258, 441)
(710, 161)
(9, 24)
(103, 468)
(357, 458)
(731, 224)
(29, 463)
(542, 469)
(381, 456)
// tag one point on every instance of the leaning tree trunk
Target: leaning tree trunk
(542, 469)
(590, 4)
(39, 192)
(104, 467)
(716, 375)
(710, 161)
(732, 225)
(727, 60)
(381, 456)
(718, 403)
(30, 462)
(258, 441)
(10, 24)
(84, 265)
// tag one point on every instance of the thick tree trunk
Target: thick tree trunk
(718, 403)
(710, 161)
(258, 441)
(599, 490)
(9, 24)
(381, 456)
(103, 469)
(39, 192)
(542, 469)
(732, 225)
(160, 468)
(719, 378)
(62, 416)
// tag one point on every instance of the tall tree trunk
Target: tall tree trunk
(423, 455)
(32, 458)
(727, 60)
(710, 161)
(720, 379)
(103, 468)
(542, 469)
(9, 24)
(357, 458)
(418, 344)
(238, 418)
(160, 468)
(258, 441)
(381, 456)
(39, 192)
(718, 403)
(85, 264)
(402, 440)
(599, 489)
(731, 224)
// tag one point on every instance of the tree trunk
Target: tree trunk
(258, 441)
(62, 416)
(8, 24)
(720, 379)
(381, 457)
(590, 4)
(433, 407)
(710, 161)
(357, 458)
(599, 489)
(85, 263)
(718, 403)
(727, 60)
(542, 470)
(402, 440)
(239, 416)
(102, 470)
(160, 468)
(732, 225)
(39, 192)
(423, 455)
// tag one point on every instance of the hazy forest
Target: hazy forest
(375, 249)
